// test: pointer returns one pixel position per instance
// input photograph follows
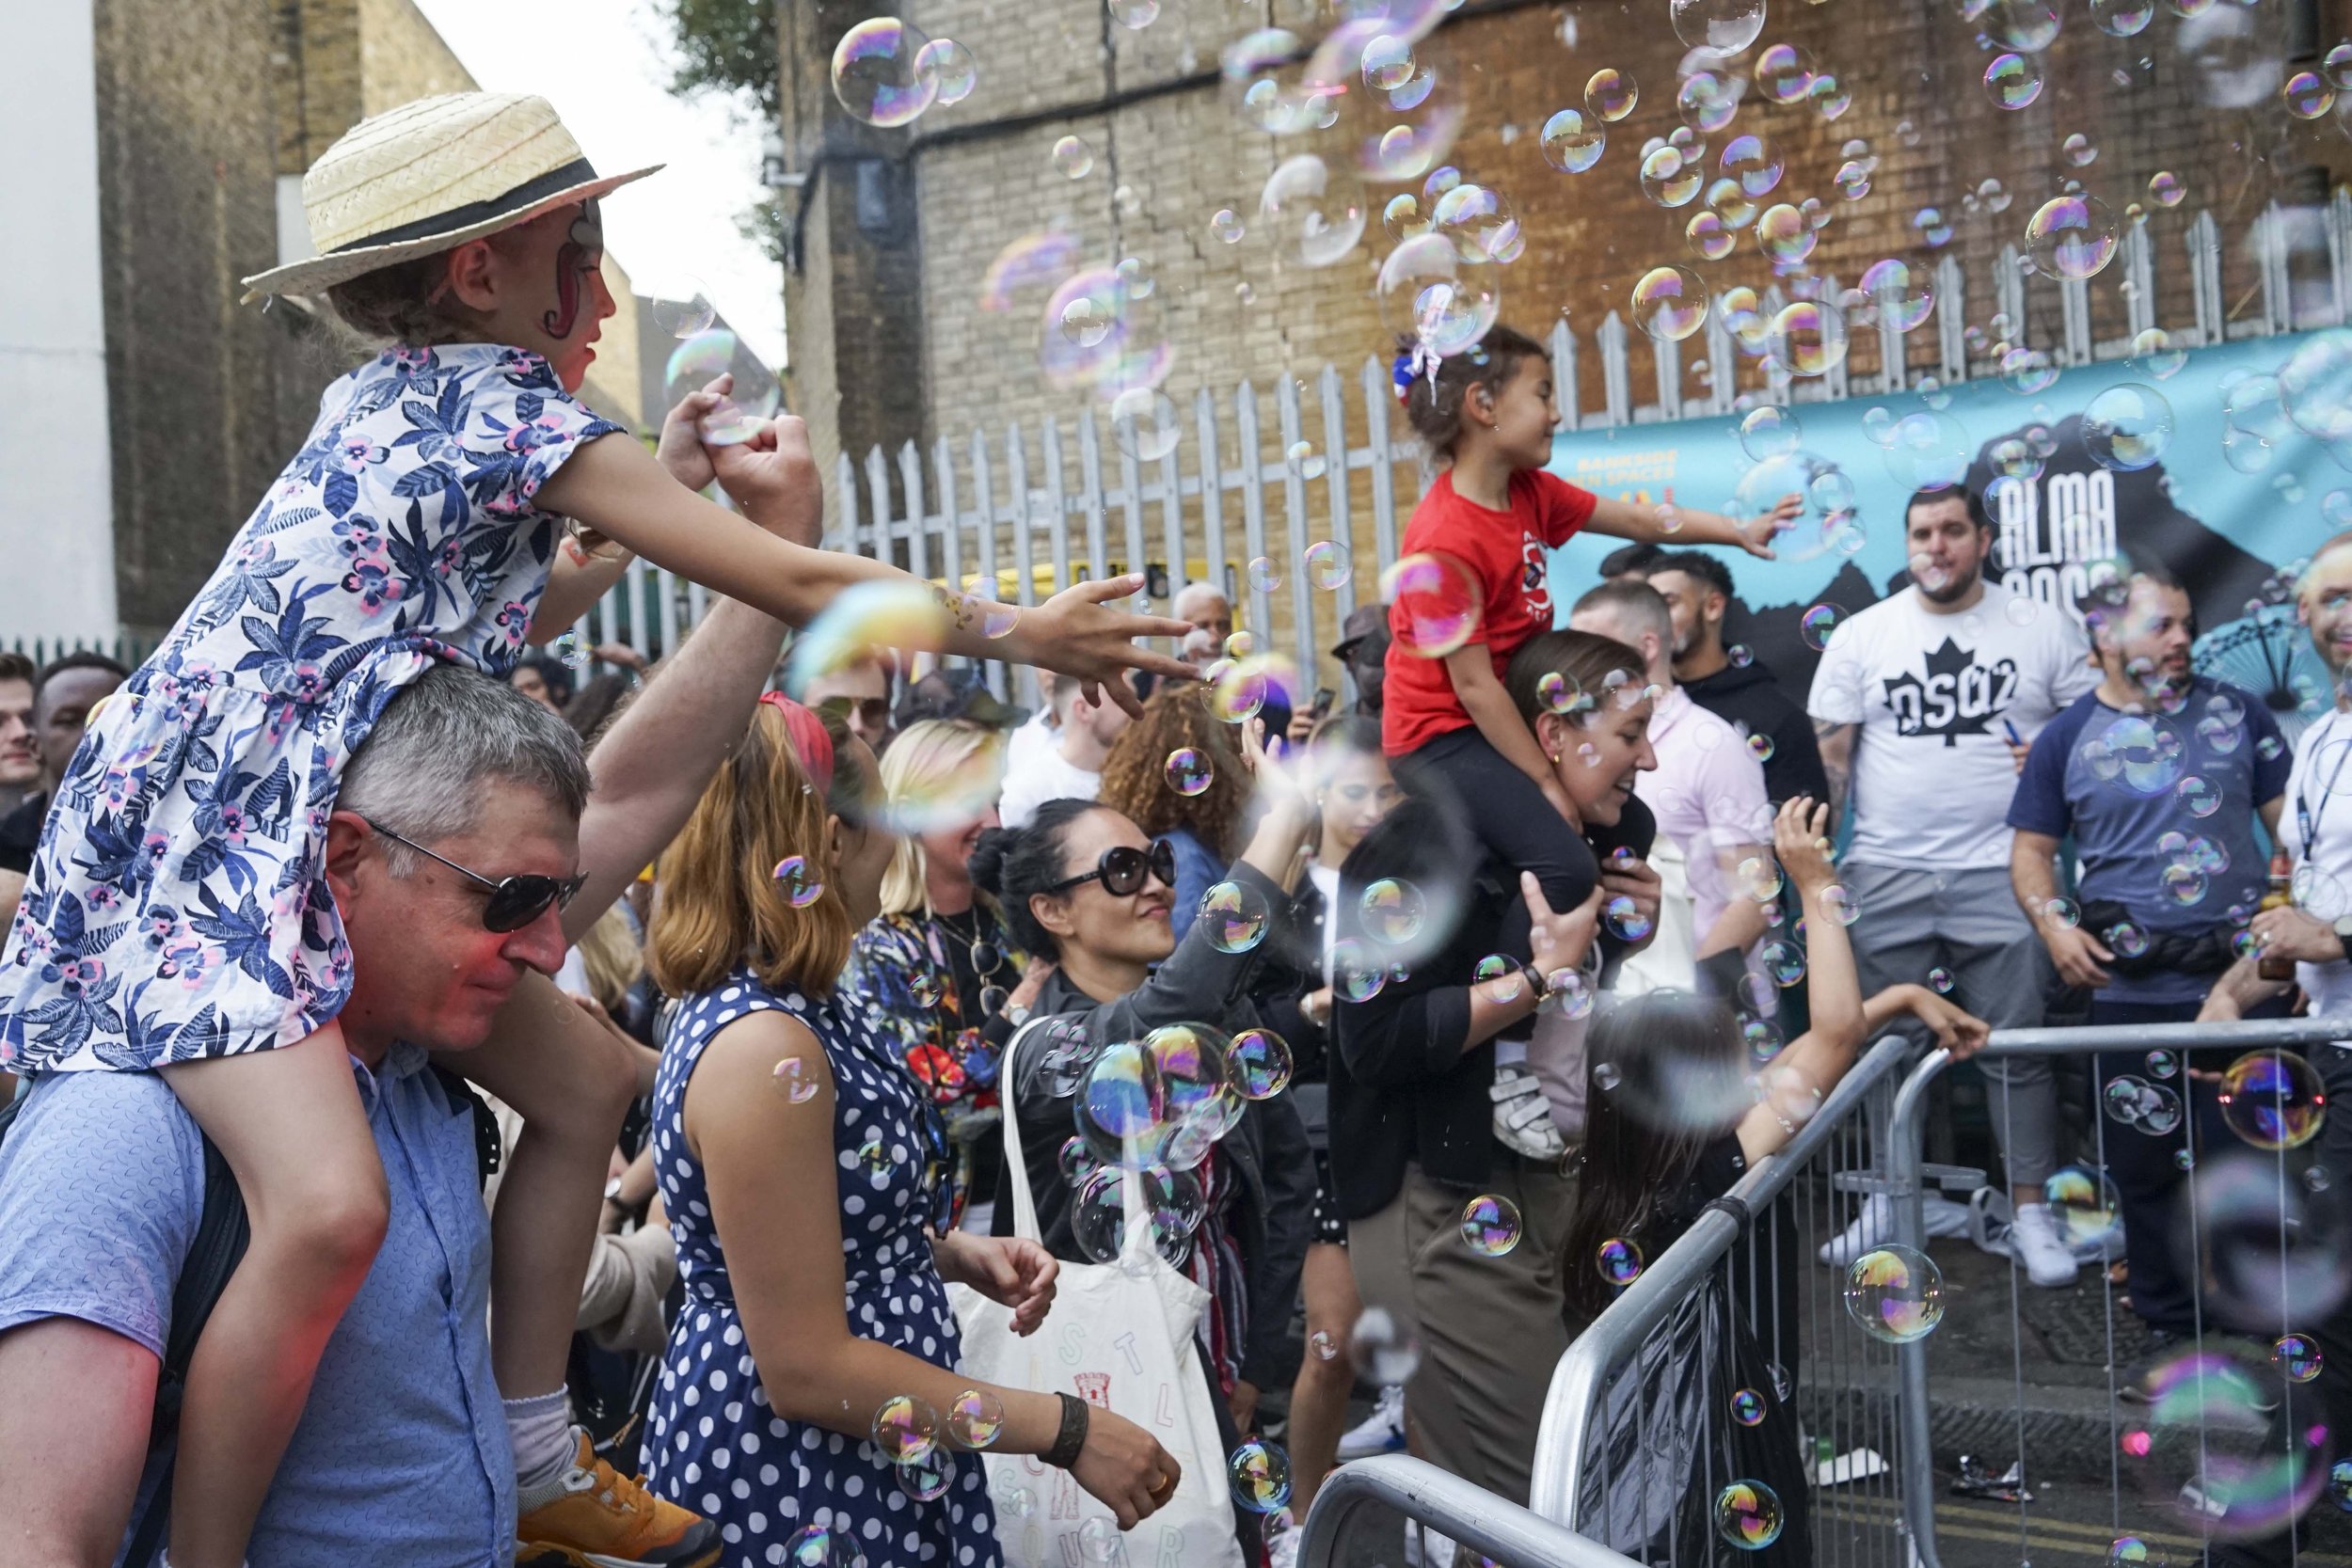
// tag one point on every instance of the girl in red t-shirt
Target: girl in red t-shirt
(1495, 514)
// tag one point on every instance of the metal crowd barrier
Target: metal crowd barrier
(1635, 1360)
(1502, 1531)
(1906, 1181)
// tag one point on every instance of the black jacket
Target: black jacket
(1403, 1089)
(20, 833)
(1267, 1151)
(1753, 699)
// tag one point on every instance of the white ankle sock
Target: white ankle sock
(540, 1429)
(1510, 1051)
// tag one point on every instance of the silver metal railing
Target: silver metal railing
(1503, 1532)
(1841, 1389)
(1906, 1182)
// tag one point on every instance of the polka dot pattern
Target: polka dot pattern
(713, 1443)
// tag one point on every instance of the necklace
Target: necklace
(986, 957)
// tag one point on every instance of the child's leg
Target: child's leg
(569, 1078)
(1510, 817)
(292, 1127)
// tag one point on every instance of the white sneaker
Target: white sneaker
(1523, 1121)
(1382, 1432)
(1875, 1226)
(2034, 1237)
(1282, 1541)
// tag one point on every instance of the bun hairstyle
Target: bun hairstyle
(1584, 658)
(1433, 389)
(721, 906)
(1011, 864)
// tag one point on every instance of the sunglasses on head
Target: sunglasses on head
(514, 902)
(1122, 869)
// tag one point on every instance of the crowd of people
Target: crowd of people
(646, 1086)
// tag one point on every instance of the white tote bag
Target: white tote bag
(1123, 1341)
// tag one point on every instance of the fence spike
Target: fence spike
(1252, 502)
(1336, 466)
(1215, 568)
(1295, 507)
(1379, 396)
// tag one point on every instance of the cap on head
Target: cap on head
(429, 176)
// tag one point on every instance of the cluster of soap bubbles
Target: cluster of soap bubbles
(886, 72)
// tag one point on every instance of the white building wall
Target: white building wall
(56, 499)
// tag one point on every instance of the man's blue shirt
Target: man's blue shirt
(401, 1456)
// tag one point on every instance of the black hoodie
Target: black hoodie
(1753, 699)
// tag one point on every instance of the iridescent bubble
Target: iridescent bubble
(1670, 303)
(1730, 206)
(1933, 231)
(1498, 979)
(799, 882)
(1437, 601)
(1904, 297)
(1928, 450)
(1784, 961)
(2298, 1357)
(1573, 141)
(1134, 15)
(1748, 1515)
(1261, 1477)
(821, 1546)
(2128, 427)
(1227, 225)
(1189, 773)
(874, 72)
(1769, 431)
(1237, 915)
(1708, 239)
(1144, 423)
(1707, 102)
(1820, 624)
(1491, 1224)
(1330, 564)
(1669, 179)
(1315, 215)
(2013, 81)
(1942, 980)
(1611, 94)
(2079, 150)
(1828, 96)
(1426, 294)
(1752, 161)
(1895, 1294)
(1725, 26)
(1852, 180)
(951, 68)
(1393, 911)
(1358, 974)
(2072, 237)
(2307, 95)
(2165, 188)
(1783, 73)
(975, 1417)
(905, 1428)
(1261, 1063)
(1782, 235)
(2030, 25)
(1619, 1261)
(1625, 919)
(2028, 370)
(1807, 337)
(2123, 19)
(1748, 1407)
(2273, 1100)
(796, 1082)
(2086, 1205)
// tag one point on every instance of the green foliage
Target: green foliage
(727, 47)
(764, 224)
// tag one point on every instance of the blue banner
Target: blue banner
(2221, 521)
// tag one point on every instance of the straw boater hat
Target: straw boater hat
(429, 176)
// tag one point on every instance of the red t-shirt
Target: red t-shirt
(1505, 553)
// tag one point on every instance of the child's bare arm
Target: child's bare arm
(617, 488)
(576, 583)
(1622, 519)
(1472, 670)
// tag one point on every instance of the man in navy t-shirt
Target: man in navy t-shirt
(2160, 774)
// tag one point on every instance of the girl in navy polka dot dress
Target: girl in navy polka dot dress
(810, 1382)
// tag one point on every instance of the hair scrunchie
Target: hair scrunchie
(810, 743)
(1421, 360)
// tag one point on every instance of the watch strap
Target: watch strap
(1072, 1437)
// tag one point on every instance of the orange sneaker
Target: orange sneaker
(605, 1519)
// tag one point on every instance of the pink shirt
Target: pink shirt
(1708, 794)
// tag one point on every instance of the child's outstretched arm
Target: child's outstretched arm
(617, 488)
(1472, 670)
(1622, 519)
(1810, 1066)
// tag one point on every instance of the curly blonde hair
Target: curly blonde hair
(1135, 775)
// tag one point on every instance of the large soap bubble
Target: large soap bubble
(1428, 294)
(1315, 215)
(876, 73)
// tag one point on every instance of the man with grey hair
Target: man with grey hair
(1211, 613)
(1707, 792)
(464, 854)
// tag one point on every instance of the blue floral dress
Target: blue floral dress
(712, 1442)
(177, 907)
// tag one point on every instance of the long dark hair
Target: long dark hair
(1648, 1060)
(1011, 864)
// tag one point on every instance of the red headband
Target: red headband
(810, 743)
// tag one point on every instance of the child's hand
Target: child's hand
(1076, 634)
(1956, 1030)
(1757, 533)
(772, 479)
(1558, 940)
(1799, 834)
(681, 449)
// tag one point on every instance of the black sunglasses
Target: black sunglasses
(1122, 869)
(514, 901)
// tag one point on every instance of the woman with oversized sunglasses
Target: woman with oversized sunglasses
(1083, 885)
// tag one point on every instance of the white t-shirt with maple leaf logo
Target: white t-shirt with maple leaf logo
(1933, 775)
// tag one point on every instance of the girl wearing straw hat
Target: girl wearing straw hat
(420, 522)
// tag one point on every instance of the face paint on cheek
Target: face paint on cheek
(586, 238)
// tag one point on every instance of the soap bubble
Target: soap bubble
(2128, 427)
(1748, 1515)
(1753, 162)
(1611, 94)
(1477, 220)
(1808, 337)
(950, 68)
(1491, 1224)
(1725, 26)
(875, 74)
(2123, 19)
(1144, 423)
(1189, 773)
(1425, 294)
(1106, 1232)
(1357, 973)
(1625, 919)
(743, 411)
(683, 318)
(975, 1417)
(1260, 1474)
(1668, 178)
(2297, 1356)
(1928, 450)
(2205, 1433)
(1329, 565)
(1237, 914)
(1769, 431)
(2307, 95)
(1895, 1293)
(2165, 188)
(1748, 1407)
(1573, 141)
(1382, 1348)
(1261, 1063)
(1619, 1261)
(1393, 911)
(1783, 73)
(2014, 81)
(2084, 1204)
(2072, 237)
(1818, 624)
(2273, 1100)
(1933, 230)
(1670, 303)
(1316, 216)
(821, 1546)
(799, 882)
(1786, 236)
(905, 1428)
(1134, 15)
(1707, 100)
(1438, 601)
(1903, 297)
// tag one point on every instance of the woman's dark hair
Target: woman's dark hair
(1647, 1061)
(1135, 774)
(1433, 403)
(1011, 864)
(1349, 732)
(1585, 658)
(593, 707)
(557, 675)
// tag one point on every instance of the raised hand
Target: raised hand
(772, 479)
(1075, 633)
(1800, 840)
(680, 448)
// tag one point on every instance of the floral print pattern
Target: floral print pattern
(176, 907)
